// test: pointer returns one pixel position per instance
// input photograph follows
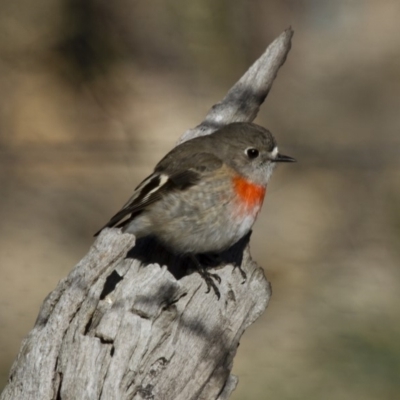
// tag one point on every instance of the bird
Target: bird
(205, 194)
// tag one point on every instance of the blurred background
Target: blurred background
(93, 93)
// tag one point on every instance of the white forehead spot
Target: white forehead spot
(274, 152)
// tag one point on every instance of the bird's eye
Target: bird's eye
(252, 152)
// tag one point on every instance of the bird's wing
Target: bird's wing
(163, 180)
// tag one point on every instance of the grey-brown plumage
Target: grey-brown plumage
(202, 196)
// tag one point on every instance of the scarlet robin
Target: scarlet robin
(206, 193)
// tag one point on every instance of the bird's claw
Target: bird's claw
(242, 272)
(216, 277)
(209, 279)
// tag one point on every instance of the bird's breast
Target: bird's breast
(250, 196)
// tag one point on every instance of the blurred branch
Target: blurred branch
(117, 328)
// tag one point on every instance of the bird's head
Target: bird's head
(250, 149)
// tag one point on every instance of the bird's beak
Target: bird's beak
(282, 158)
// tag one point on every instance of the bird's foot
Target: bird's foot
(208, 277)
(241, 270)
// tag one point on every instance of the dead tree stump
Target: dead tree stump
(118, 328)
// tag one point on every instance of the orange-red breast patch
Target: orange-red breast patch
(250, 194)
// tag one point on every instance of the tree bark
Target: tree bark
(120, 328)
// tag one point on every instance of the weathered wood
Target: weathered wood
(242, 102)
(117, 328)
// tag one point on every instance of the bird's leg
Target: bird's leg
(241, 270)
(207, 276)
(217, 259)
